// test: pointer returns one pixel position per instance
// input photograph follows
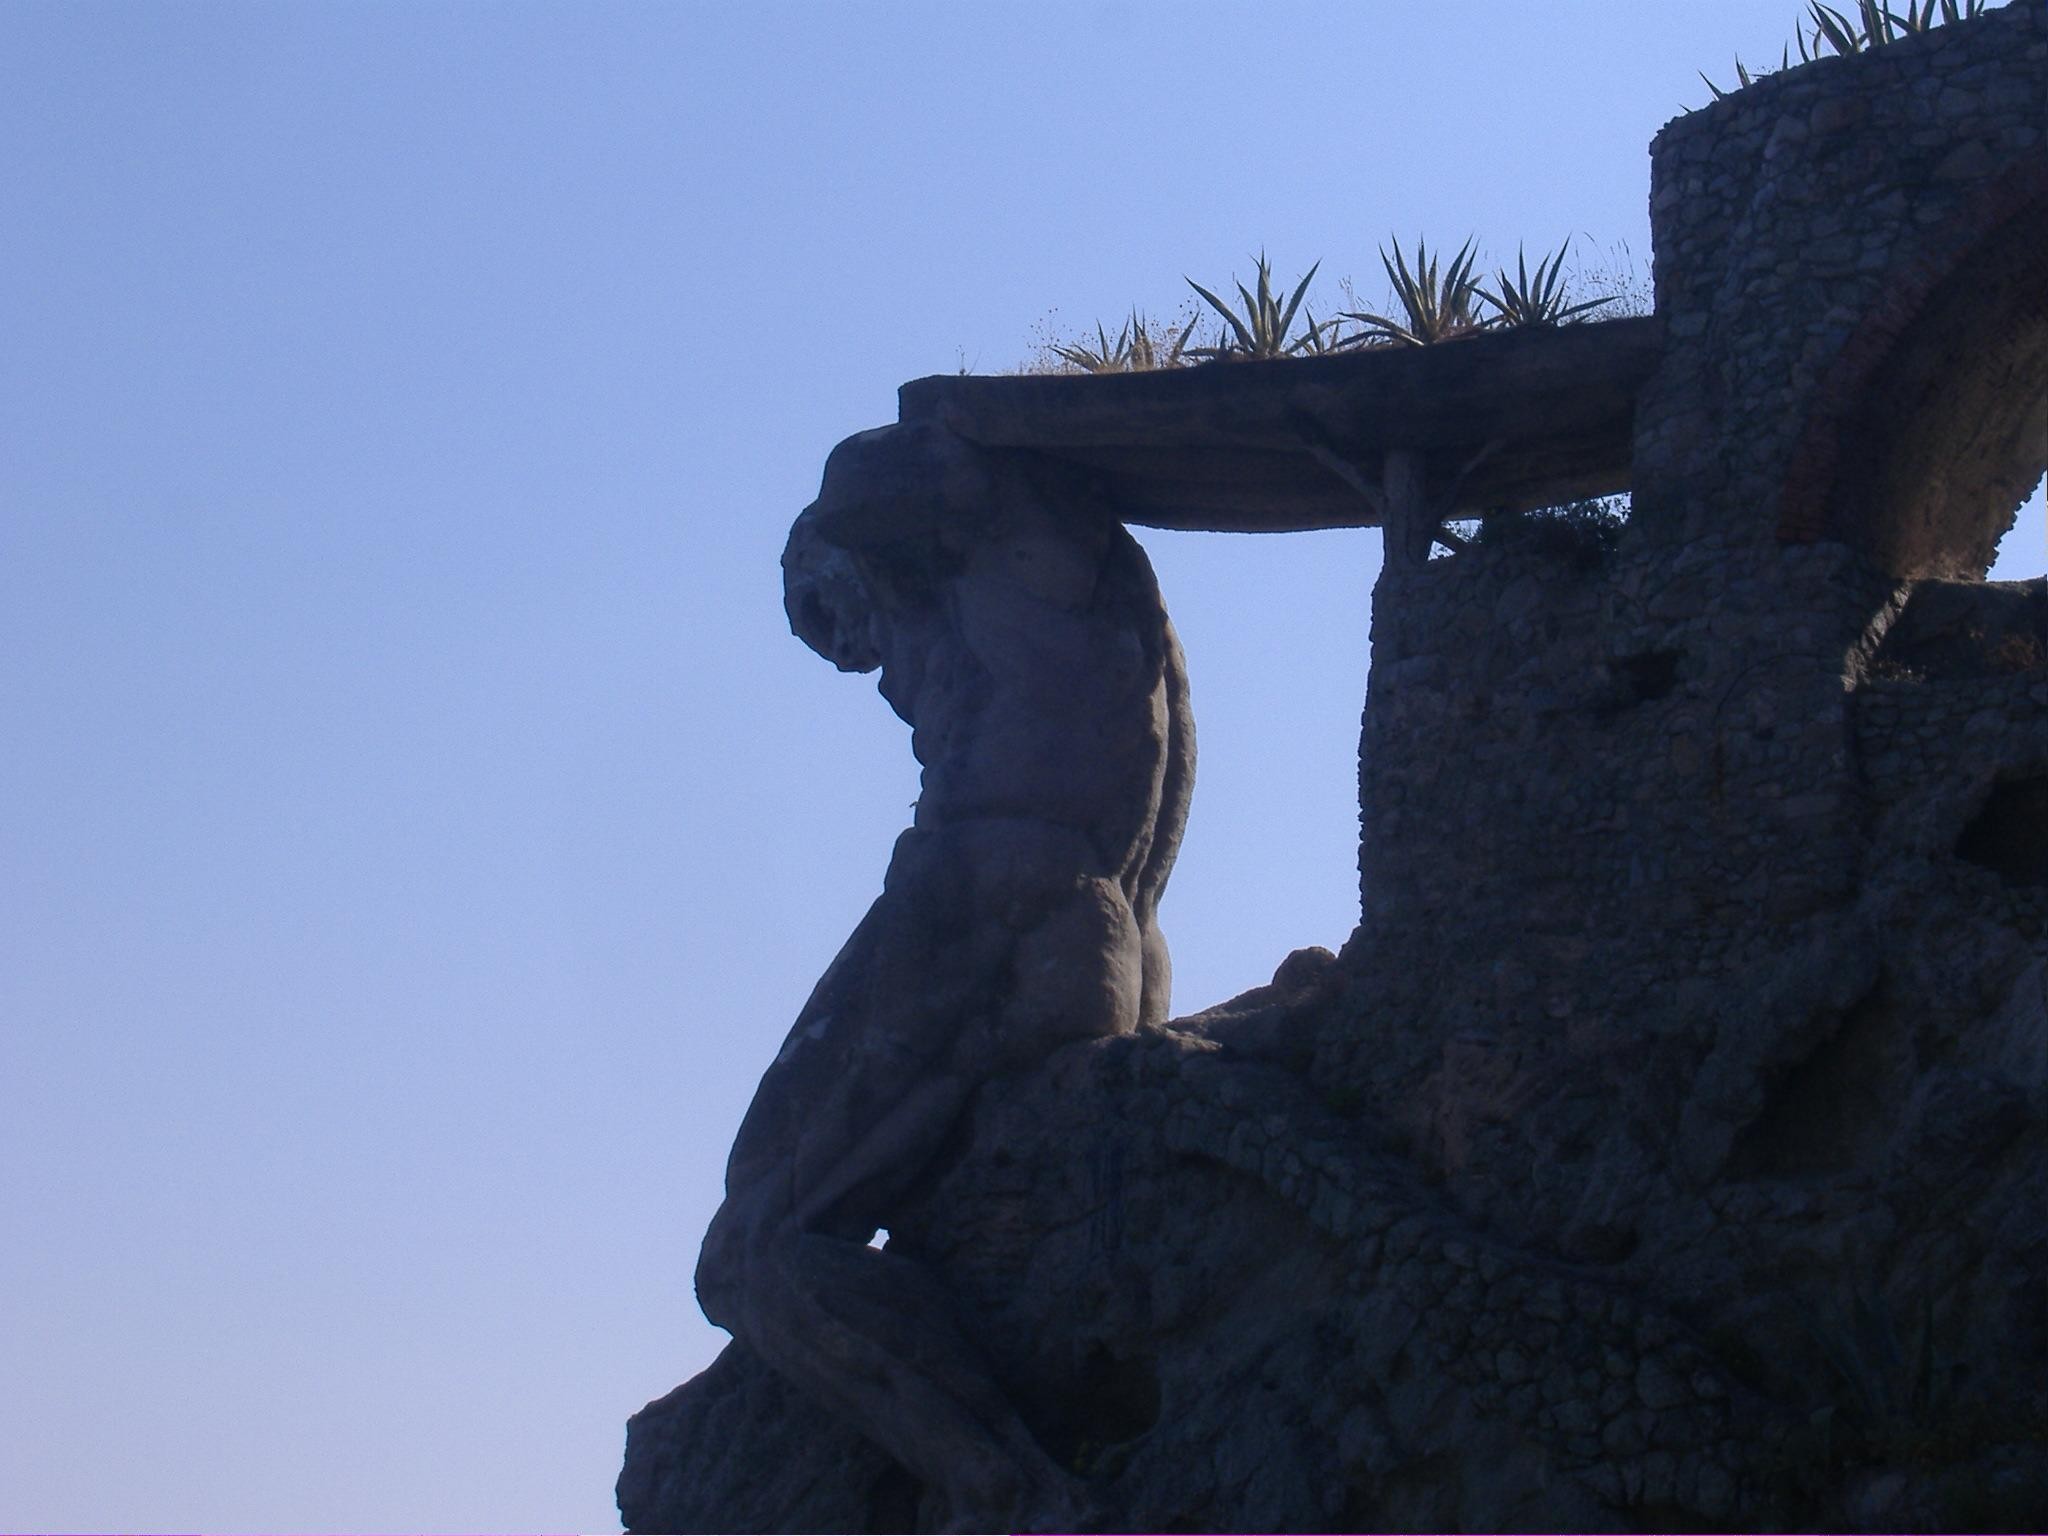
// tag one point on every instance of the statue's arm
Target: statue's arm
(1177, 781)
(903, 482)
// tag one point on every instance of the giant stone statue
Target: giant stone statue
(1019, 631)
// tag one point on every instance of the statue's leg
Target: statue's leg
(899, 1360)
(874, 1337)
(1157, 1003)
(1080, 973)
(985, 952)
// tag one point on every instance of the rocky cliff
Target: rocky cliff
(1668, 1148)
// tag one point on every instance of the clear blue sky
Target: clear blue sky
(417, 828)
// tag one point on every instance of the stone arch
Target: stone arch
(1931, 426)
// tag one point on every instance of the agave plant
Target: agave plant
(1877, 24)
(1105, 357)
(1321, 338)
(1145, 353)
(1434, 308)
(1541, 300)
(1874, 25)
(1133, 351)
(1744, 79)
(1263, 329)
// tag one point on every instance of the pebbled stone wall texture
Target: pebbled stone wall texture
(1600, 777)
(1800, 228)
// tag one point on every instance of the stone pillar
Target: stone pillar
(1407, 520)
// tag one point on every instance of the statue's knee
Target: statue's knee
(1082, 972)
(1155, 1006)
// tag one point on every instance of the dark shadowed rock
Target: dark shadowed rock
(1668, 1148)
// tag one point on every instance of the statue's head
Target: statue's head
(829, 606)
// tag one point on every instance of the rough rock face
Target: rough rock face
(1232, 1295)
(1668, 1148)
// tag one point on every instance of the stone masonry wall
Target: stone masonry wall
(1797, 225)
(1598, 787)
(1603, 776)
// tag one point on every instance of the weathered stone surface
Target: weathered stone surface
(1668, 1148)
(1514, 419)
(1022, 638)
(693, 1464)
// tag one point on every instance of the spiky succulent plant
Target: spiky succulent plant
(1538, 300)
(1133, 351)
(1744, 79)
(1873, 25)
(1263, 330)
(1433, 308)
(1877, 24)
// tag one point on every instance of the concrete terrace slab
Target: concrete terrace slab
(1505, 419)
